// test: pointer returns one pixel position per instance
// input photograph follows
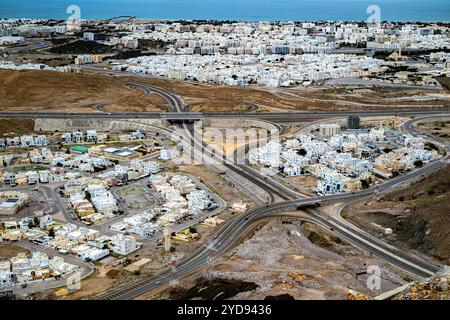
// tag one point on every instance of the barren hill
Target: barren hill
(417, 215)
(57, 91)
(205, 97)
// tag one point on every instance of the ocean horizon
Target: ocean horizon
(245, 10)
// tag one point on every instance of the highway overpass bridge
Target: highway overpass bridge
(195, 116)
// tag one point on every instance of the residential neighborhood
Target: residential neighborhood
(345, 160)
(250, 153)
(283, 54)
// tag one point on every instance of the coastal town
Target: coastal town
(240, 54)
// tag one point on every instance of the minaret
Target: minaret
(167, 236)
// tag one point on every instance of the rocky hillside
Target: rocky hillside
(436, 288)
(50, 91)
(418, 216)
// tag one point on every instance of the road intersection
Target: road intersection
(284, 202)
(230, 233)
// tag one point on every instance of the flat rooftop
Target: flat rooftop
(8, 203)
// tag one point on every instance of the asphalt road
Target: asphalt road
(85, 268)
(231, 232)
(181, 116)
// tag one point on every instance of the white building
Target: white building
(414, 142)
(123, 244)
(26, 141)
(94, 254)
(66, 137)
(40, 141)
(167, 154)
(292, 170)
(330, 185)
(77, 137)
(44, 221)
(329, 129)
(5, 278)
(59, 267)
(91, 136)
(377, 134)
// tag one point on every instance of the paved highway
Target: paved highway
(34, 44)
(409, 127)
(231, 232)
(180, 116)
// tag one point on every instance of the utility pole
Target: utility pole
(167, 236)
